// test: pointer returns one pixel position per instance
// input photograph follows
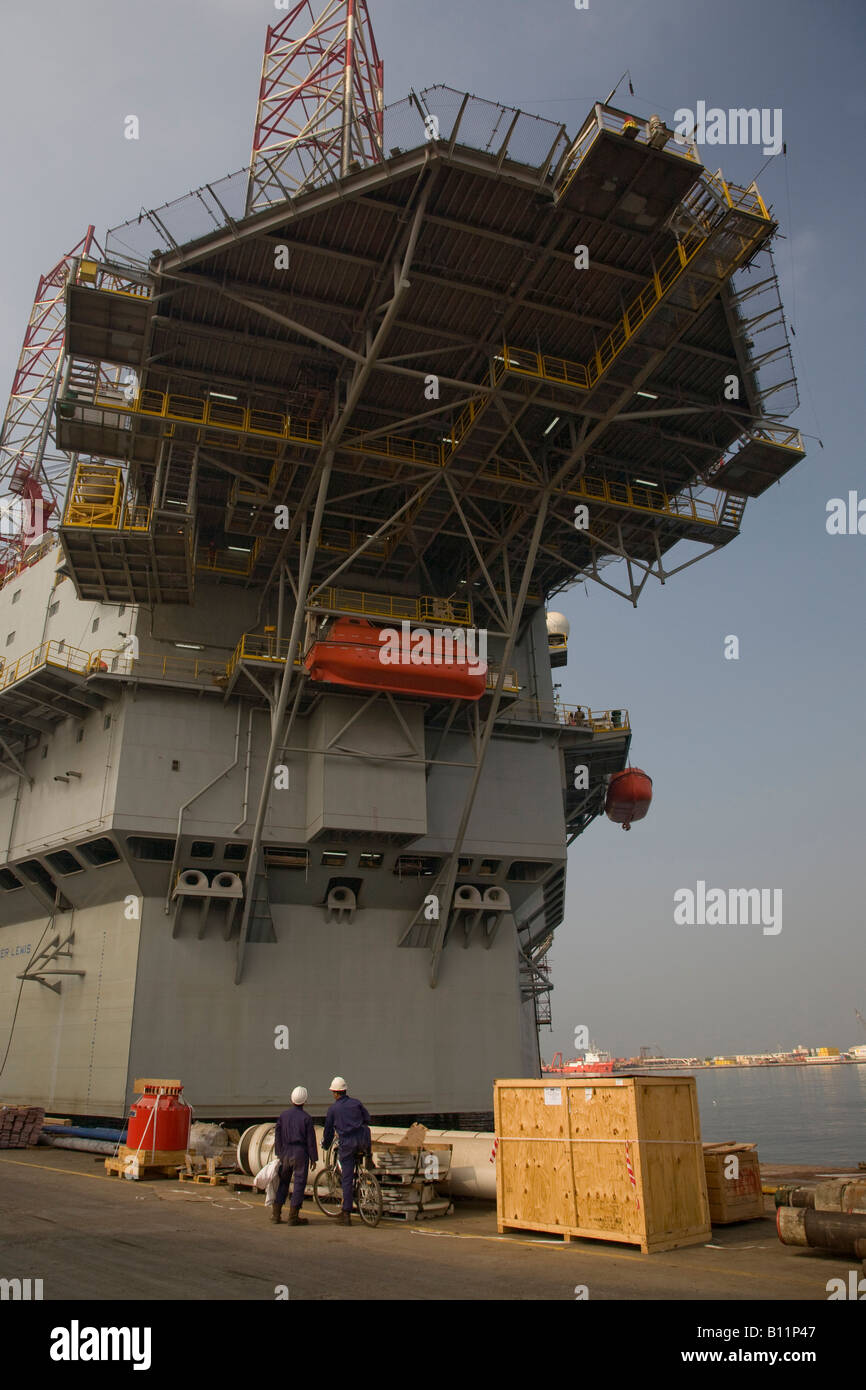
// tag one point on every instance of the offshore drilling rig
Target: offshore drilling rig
(415, 371)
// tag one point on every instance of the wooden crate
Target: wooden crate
(606, 1158)
(733, 1199)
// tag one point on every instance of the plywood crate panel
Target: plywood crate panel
(737, 1198)
(614, 1158)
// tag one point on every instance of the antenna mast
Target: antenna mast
(320, 101)
(30, 467)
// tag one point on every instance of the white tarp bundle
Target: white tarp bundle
(207, 1140)
(267, 1179)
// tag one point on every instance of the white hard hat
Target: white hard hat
(299, 1095)
(338, 1084)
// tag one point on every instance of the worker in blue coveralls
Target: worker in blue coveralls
(352, 1123)
(296, 1148)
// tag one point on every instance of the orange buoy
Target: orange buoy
(628, 796)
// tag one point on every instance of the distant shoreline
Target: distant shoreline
(643, 1070)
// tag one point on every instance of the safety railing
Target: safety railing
(202, 671)
(746, 199)
(621, 123)
(571, 716)
(242, 491)
(396, 446)
(511, 684)
(780, 436)
(464, 422)
(636, 497)
(112, 279)
(347, 541)
(426, 608)
(96, 501)
(630, 496)
(196, 410)
(707, 206)
(262, 646)
(96, 498)
(52, 653)
(232, 561)
(12, 568)
(136, 518)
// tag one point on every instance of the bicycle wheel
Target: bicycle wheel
(368, 1195)
(328, 1191)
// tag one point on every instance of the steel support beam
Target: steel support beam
(335, 433)
(447, 880)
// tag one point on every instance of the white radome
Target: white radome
(558, 625)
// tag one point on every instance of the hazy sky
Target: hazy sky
(758, 764)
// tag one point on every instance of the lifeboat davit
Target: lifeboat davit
(629, 795)
(352, 654)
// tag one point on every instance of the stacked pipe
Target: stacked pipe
(90, 1139)
(829, 1216)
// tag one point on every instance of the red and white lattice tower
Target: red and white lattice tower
(32, 473)
(320, 101)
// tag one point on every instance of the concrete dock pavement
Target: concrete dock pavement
(92, 1237)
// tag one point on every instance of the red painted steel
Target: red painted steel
(318, 71)
(628, 796)
(159, 1122)
(352, 655)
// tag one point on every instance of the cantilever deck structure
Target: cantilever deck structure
(436, 387)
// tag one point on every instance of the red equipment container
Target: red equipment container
(159, 1120)
(628, 796)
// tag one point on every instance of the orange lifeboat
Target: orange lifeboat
(353, 654)
(629, 795)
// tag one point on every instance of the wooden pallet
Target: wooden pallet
(200, 1169)
(146, 1163)
(242, 1180)
(20, 1125)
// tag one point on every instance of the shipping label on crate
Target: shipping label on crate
(553, 1095)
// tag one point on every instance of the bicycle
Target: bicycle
(366, 1192)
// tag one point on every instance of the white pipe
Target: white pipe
(96, 1146)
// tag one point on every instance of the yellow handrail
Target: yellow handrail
(224, 561)
(95, 497)
(611, 119)
(262, 646)
(511, 682)
(573, 716)
(426, 608)
(242, 419)
(51, 653)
